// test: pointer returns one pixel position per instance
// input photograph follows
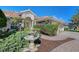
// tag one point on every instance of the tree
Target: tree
(75, 20)
(3, 19)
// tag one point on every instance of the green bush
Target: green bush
(66, 29)
(74, 30)
(37, 27)
(77, 30)
(49, 29)
(6, 33)
(14, 43)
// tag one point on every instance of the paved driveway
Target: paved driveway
(70, 34)
(62, 36)
(70, 46)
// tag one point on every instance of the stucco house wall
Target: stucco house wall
(28, 13)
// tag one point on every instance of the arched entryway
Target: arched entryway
(27, 22)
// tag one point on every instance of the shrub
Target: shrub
(74, 30)
(77, 30)
(66, 29)
(6, 33)
(49, 29)
(14, 43)
(37, 27)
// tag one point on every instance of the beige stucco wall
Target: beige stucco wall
(25, 15)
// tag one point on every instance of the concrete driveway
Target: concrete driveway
(62, 36)
(74, 35)
(71, 46)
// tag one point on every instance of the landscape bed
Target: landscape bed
(14, 42)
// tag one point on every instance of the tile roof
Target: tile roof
(42, 18)
(51, 19)
(15, 14)
(11, 14)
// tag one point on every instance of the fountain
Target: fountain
(32, 36)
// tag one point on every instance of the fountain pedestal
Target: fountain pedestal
(32, 46)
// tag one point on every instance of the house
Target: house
(10, 15)
(51, 20)
(29, 19)
(43, 20)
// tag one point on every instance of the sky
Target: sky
(61, 12)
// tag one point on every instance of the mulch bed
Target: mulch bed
(48, 45)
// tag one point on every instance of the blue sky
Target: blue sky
(63, 12)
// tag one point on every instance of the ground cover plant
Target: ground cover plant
(14, 42)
